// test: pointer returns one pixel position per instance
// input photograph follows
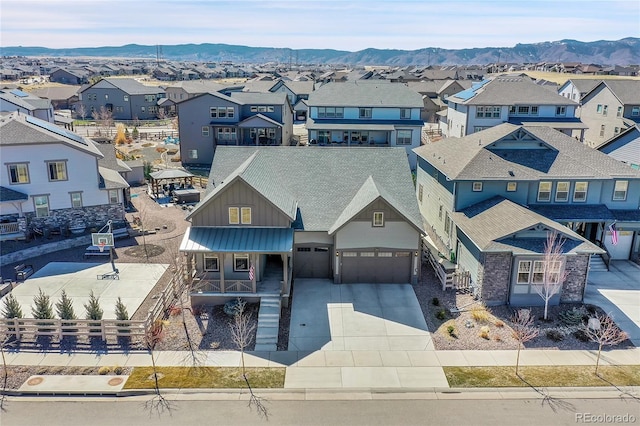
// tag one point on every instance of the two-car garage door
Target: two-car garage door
(376, 267)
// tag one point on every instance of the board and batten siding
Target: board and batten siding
(435, 195)
(305, 237)
(239, 194)
(395, 235)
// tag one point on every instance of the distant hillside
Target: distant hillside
(621, 52)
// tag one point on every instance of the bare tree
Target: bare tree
(548, 281)
(242, 331)
(81, 110)
(523, 330)
(605, 332)
(153, 336)
(104, 117)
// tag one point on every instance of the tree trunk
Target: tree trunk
(546, 305)
(598, 358)
(518, 359)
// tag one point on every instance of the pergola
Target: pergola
(170, 177)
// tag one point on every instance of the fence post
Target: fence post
(103, 331)
(16, 323)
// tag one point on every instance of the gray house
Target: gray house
(213, 119)
(277, 213)
(126, 98)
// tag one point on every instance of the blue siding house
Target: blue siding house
(489, 199)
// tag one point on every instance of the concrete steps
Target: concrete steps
(268, 324)
(597, 264)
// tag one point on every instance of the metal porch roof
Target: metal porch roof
(237, 240)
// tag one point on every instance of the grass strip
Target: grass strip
(205, 377)
(539, 376)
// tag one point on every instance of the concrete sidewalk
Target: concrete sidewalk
(324, 369)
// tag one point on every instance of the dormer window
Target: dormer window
(544, 191)
(620, 190)
(378, 219)
(477, 186)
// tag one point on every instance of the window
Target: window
(153, 109)
(349, 254)
(193, 154)
(205, 131)
(57, 170)
(403, 137)
(616, 130)
(106, 97)
(76, 200)
(440, 212)
(304, 249)
(240, 262)
(245, 215)
(447, 225)
(534, 110)
(580, 191)
(367, 254)
(365, 113)
(211, 263)
(227, 133)
(544, 191)
(234, 216)
(330, 112)
(523, 110)
(562, 191)
(18, 173)
(604, 110)
(405, 113)
(561, 110)
(221, 112)
(125, 98)
(420, 190)
(254, 108)
(488, 112)
(619, 112)
(119, 109)
(262, 108)
(599, 109)
(41, 203)
(512, 186)
(524, 271)
(378, 219)
(538, 272)
(602, 130)
(142, 109)
(620, 190)
(635, 111)
(477, 186)
(149, 98)
(113, 196)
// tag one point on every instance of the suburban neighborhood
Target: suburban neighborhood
(326, 226)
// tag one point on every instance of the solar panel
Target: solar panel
(55, 129)
(465, 94)
(19, 93)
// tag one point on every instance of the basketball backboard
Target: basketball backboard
(102, 238)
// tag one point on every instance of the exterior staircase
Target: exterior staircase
(268, 324)
(597, 264)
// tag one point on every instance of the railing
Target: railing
(229, 286)
(9, 228)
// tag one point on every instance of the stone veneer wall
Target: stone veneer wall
(494, 278)
(573, 287)
(89, 217)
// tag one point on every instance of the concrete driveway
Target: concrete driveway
(356, 317)
(617, 292)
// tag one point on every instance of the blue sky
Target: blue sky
(331, 24)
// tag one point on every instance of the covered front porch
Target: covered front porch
(13, 225)
(244, 262)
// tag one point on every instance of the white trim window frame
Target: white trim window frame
(580, 192)
(18, 173)
(365, 113)
(544, 191)
(76, 199)
(620, 190)
(57, 170)
(210, 263)
(113, 195)
(41, 205)
(245, 215)
(476, 187)
(562, 191)
(378, 219)
(240, 262)
(234, 216)
(403, 137)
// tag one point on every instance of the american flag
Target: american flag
(251, 272)
(614, 234)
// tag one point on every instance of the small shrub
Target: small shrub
(480, 314)
(451, 330)
(174, 310)
(484, 332)
(499, 323)
(573, 316)
(160, 149)
(12, 308)
(232, 307)
(122, 315)
(435, 301)
(497, 338)
(581, 335)
(104, 370)
(441, 315)
(555, 335)
(117, 370)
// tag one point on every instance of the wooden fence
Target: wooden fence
(21, 327)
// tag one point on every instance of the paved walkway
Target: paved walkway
(617, 292)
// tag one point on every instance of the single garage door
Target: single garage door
(312, 261)
(380, 267)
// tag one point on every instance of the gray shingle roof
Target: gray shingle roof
(490, 222)
(510, 90)
(376, 93)
(8, 194)
(260, 98)
(133, 87)
(110, 161)
(323, 182)
(473, 158)
(628, 91)
(111, 179)
(16, 130)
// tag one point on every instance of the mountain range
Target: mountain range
(625, 51)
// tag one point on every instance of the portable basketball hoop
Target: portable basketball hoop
(101, 245)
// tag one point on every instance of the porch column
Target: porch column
(221, 266)
(189, 264)
(252, 262)
(285, 277)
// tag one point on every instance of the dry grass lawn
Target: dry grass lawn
(205, 377)
(543, 376)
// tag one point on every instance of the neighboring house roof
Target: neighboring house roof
(492, 226)
(378, 93)
(197, 86)
(130, 86)
(320, 182)
(17, 101)
(19, 129)
(109, 159)
(627, 91)
(171, 174)
(7, 194)
(111, 179)
(259, 120)
(260, 98)
(508, 90)
(625, 146)
(583, 85)
(300, 87)
(474, 158)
